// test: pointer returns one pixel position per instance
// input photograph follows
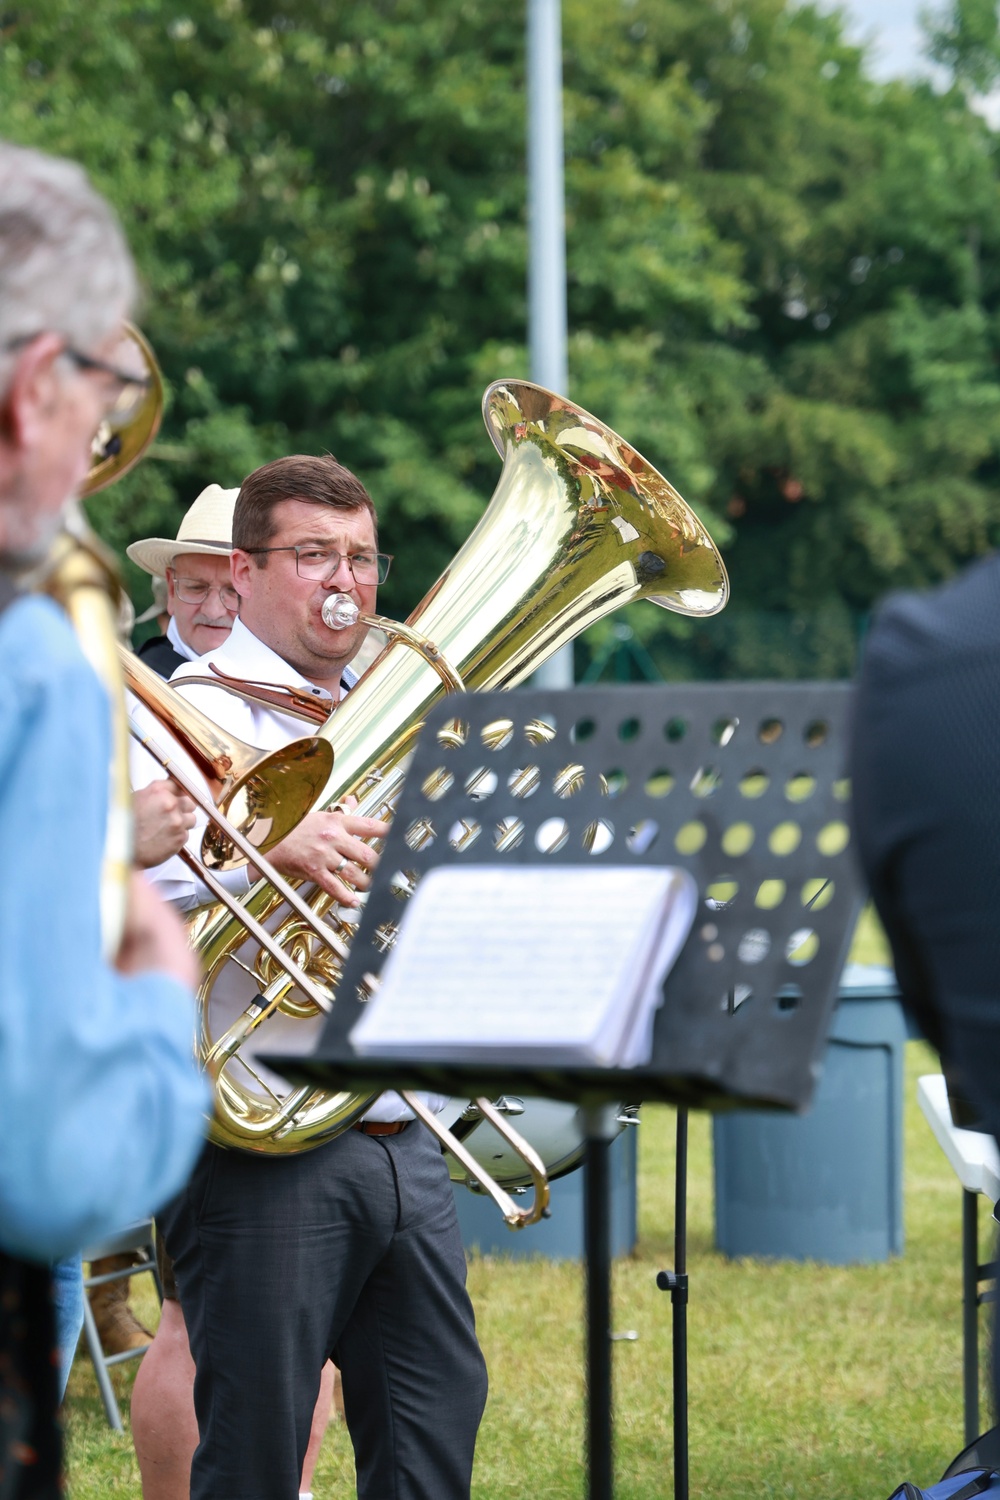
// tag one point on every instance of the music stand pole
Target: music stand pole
(599, 1130)
(676, 1283)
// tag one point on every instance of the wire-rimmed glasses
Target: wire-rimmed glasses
(321, 563)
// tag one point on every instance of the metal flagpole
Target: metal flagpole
(547, 236)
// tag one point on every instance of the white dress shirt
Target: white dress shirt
(244, 656)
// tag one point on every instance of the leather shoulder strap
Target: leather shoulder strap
(287, 700)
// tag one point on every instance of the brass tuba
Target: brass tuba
(580, 524)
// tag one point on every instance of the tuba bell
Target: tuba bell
(579, 525)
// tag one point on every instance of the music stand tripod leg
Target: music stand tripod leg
(970, 1313)
(676, 1283)
(599, 1129)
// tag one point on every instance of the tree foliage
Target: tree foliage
(784, 279)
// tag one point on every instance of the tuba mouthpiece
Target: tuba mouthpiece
(340, 611)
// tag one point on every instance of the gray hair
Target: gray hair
(65, 266)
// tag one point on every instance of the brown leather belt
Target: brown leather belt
(380, 1127)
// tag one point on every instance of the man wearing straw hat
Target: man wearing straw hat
(201, 604)
(201, 600)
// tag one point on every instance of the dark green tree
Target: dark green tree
(782, 281)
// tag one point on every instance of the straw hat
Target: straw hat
(207, 528)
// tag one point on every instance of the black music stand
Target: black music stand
(741, 783)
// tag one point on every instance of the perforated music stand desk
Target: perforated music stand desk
(744, 785)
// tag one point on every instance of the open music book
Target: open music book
(564, 964)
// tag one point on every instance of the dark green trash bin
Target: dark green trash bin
(826, 1185)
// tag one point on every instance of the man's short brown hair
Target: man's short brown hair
(315, 481)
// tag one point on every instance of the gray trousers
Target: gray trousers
(350, 1252)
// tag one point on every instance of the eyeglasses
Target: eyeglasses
(321, 563)
(196, 591)
(133, 387)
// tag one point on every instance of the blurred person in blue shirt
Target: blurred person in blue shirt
(101, 1103)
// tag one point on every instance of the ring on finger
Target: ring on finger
(343, 861)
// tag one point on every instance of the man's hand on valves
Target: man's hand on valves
(329, 849)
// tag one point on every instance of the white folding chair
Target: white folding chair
(135, 1237)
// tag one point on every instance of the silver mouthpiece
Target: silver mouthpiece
(339, 611)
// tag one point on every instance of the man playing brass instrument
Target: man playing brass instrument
(350, 1251)
(100, 1104)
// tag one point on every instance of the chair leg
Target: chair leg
(100, 1368)
(154, 1266)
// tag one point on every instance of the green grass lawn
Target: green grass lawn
(805, 1381)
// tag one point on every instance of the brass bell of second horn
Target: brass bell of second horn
(579, 525)
(264, 793)
(127, 431)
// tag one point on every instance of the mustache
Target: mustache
(221, 622)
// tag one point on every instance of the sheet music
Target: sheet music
(532, 960)
(682, 906)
